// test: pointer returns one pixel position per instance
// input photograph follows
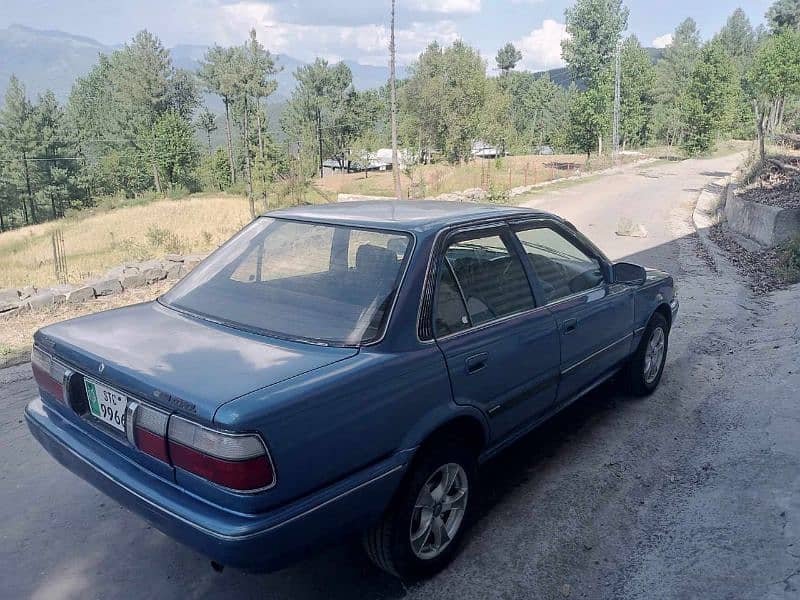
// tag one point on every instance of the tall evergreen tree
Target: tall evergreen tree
(18, 135)
(594, 28)
(673, 76)
(637, 97)
(507, 58)
(784, 14)
(711, 99)
(218, 74)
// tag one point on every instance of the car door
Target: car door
(501, 349)
(594, 316)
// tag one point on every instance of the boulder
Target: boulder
(44, 299)
(173, 258)
(175, 270)
(26, 292)
(154, 274)
(9, 299)
(60, 293)
(106, 287)
(628, 228)
(190, 261)
(81, 294)
(133, 280)
(10, 313)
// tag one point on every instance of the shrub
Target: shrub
(159, 237)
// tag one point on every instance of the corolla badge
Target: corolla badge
(101, 368)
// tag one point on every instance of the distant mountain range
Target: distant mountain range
(44, 60)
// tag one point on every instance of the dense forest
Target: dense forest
(136, 126)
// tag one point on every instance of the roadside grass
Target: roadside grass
(96, 241)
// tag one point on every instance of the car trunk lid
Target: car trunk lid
(179, 362)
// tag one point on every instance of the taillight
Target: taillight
(236, 461)
(146, 429)
(50, 375)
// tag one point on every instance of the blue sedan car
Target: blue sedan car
(344, 369)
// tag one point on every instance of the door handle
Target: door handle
(476, 363)
(570, 325)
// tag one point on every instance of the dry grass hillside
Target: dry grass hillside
(97, 241)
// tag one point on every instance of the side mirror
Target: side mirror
(629, 273)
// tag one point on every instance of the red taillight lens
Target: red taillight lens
(147, 430)
(236, 461)
(50, 375)
(242, 475)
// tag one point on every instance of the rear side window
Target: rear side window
(562, 268)
(490, 282)
(451, 313)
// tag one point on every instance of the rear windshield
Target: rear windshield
(309, 281)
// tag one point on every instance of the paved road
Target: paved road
(691, 493)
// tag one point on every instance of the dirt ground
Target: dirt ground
(693, 492)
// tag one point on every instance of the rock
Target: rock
(628, 228)
(9, 299)
(175, 270)
(133, 280)
(154, 274)
(10, 313)
(153, 270)
(190, 261)
(43, 299)
(26, 292)
(174, 258)
(107, 287)
(60, 293)
(81, 294)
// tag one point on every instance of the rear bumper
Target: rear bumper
(265, 541)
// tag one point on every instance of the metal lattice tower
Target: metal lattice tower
(617, 91)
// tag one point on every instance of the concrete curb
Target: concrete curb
(708, 211)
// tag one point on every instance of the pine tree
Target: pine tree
(507, 58)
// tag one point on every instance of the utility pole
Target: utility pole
(398, 192)
(319, 139)
(617, 91)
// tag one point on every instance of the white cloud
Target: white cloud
(541, 48)
(662, 41)
(447, 7)
(367, 44)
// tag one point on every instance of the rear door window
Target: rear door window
(489, 278)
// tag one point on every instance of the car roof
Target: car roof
(403, 215)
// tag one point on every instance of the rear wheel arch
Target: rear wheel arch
(465, 428)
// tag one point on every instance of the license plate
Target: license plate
(106, 404)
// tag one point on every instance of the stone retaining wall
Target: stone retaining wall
(768, 225)
(127, 276)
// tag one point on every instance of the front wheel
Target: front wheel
(422, 529)
(647, 364)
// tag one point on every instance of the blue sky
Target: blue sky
(357, 29)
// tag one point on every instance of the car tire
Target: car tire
(646, 366)
(391, 544)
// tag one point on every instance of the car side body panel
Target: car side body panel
(341, 424)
